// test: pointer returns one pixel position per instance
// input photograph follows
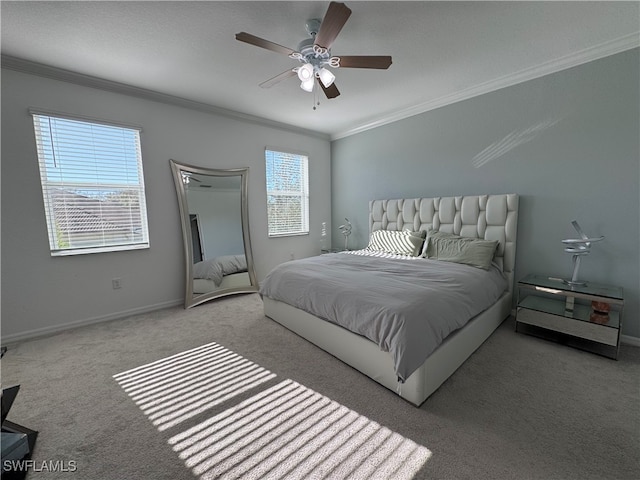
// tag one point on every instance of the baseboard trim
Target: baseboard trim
(42, 332)
(629, 340)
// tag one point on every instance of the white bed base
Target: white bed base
(365, 356)
(454, 214)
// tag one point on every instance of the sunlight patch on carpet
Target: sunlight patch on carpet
(174, 389)
(290, 431)
(286, 431)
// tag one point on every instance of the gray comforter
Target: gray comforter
(406, 306)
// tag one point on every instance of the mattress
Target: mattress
(406, 305)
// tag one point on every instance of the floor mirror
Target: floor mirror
(215, 229)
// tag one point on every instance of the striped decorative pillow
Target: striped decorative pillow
(401, 243)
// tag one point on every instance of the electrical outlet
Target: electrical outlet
(116, 283)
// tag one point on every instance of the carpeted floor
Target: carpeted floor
(119, 400)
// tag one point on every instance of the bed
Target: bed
(415, 366)
(219, 273)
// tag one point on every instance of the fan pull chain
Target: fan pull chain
(316, 99)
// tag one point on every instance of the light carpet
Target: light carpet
(220, 391)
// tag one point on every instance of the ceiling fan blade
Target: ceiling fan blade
(261, 42)
(335, 18)
(331, 91)
(278, 78)
(365, 61)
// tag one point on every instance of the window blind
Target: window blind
(92, 185)
(287, 193)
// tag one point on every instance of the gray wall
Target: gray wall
(41, 293)
(568, 143)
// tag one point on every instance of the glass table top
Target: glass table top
(590, 288)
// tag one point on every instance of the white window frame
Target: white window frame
(299, 163)
(84, 165)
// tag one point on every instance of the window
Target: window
(287, 193)
(92, 185)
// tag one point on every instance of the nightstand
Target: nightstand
(550, 308)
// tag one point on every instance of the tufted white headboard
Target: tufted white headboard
(491, 217)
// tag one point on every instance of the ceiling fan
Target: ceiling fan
(315, 53)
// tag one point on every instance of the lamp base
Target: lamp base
(576, 266)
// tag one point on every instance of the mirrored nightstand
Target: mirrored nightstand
(587, 316)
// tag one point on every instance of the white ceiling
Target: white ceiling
(442, 51)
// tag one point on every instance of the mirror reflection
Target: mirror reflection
(215, 227)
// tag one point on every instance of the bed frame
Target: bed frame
(492, 217)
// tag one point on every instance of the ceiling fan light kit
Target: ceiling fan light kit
(305, 72)
(326, 77)
(307, 85)
(315, 53)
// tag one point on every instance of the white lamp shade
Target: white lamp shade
(305, 72)
(307, 85)
(326, 77)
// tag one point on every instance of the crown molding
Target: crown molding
(42, 70)
(597, 52)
